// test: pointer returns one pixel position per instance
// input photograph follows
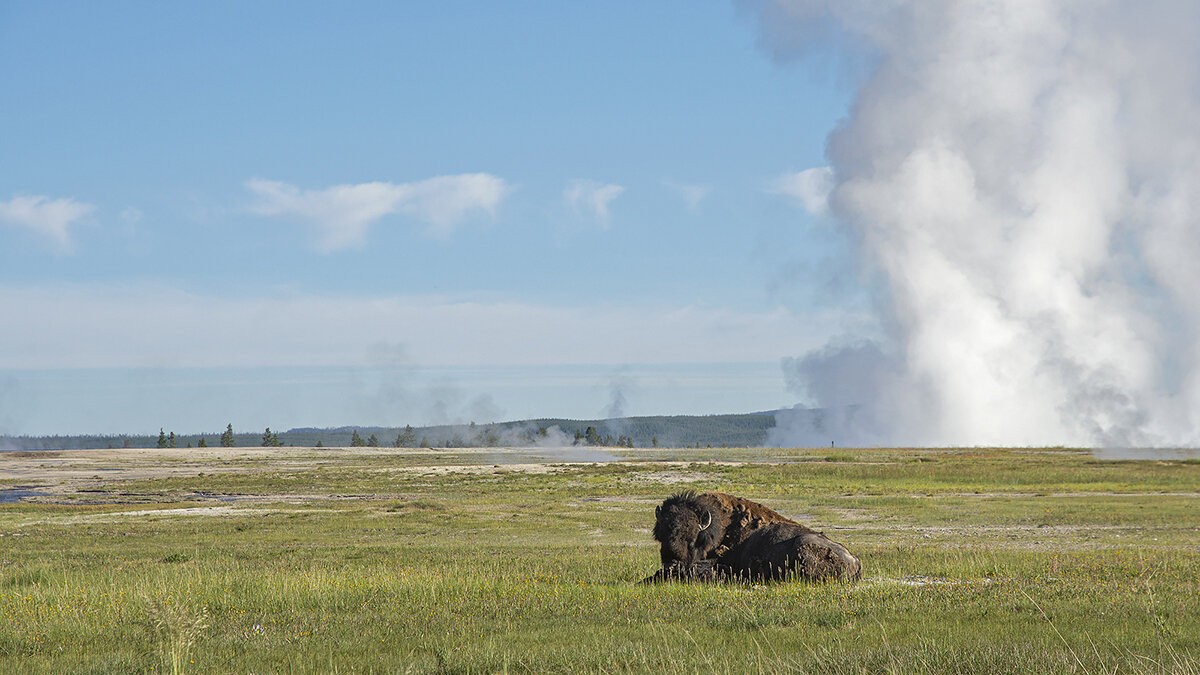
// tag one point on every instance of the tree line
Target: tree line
(745, 430)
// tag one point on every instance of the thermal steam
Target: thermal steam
(1021, 180)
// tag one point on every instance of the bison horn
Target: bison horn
(707, 521)
(657, 512)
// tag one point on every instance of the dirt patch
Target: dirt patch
(477, 469)
(68, 468)
(681, 472)
(622, 499)
(190, 511)
(70, 471)
(668, 477)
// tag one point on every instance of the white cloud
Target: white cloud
(444, 201)
(691, 194)
(44, 215)
(342, 214)
(592, 196)
(810, 187)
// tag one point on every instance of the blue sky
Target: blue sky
(429, 186)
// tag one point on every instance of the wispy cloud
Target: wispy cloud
(445, 200)
(132, 215)
(810, 187)
(50, 217)
(342, 214)
(691, 194)
(591, 196)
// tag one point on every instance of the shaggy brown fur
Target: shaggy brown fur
(742, 539)
(782, 550)
(679, 520)
(745, 517)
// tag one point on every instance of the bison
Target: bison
(714, 535)
(694, 526)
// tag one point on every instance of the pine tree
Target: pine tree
(405, 438)
(356, 441)
(227, 437)
(266, 439)
(171, 440)
(162, 438)
(275, 440)
(201, 443)
(373, 441)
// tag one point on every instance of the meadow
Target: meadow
(349, 560)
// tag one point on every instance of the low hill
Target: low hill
(737, 430)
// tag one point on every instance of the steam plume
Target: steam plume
(1022, 178)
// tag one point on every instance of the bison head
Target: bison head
(689, 528)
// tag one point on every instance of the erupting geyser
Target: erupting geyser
(1022, 179)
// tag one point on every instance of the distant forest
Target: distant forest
(744, 430)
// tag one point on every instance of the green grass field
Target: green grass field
(976, 561)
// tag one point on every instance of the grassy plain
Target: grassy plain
(373, 560)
